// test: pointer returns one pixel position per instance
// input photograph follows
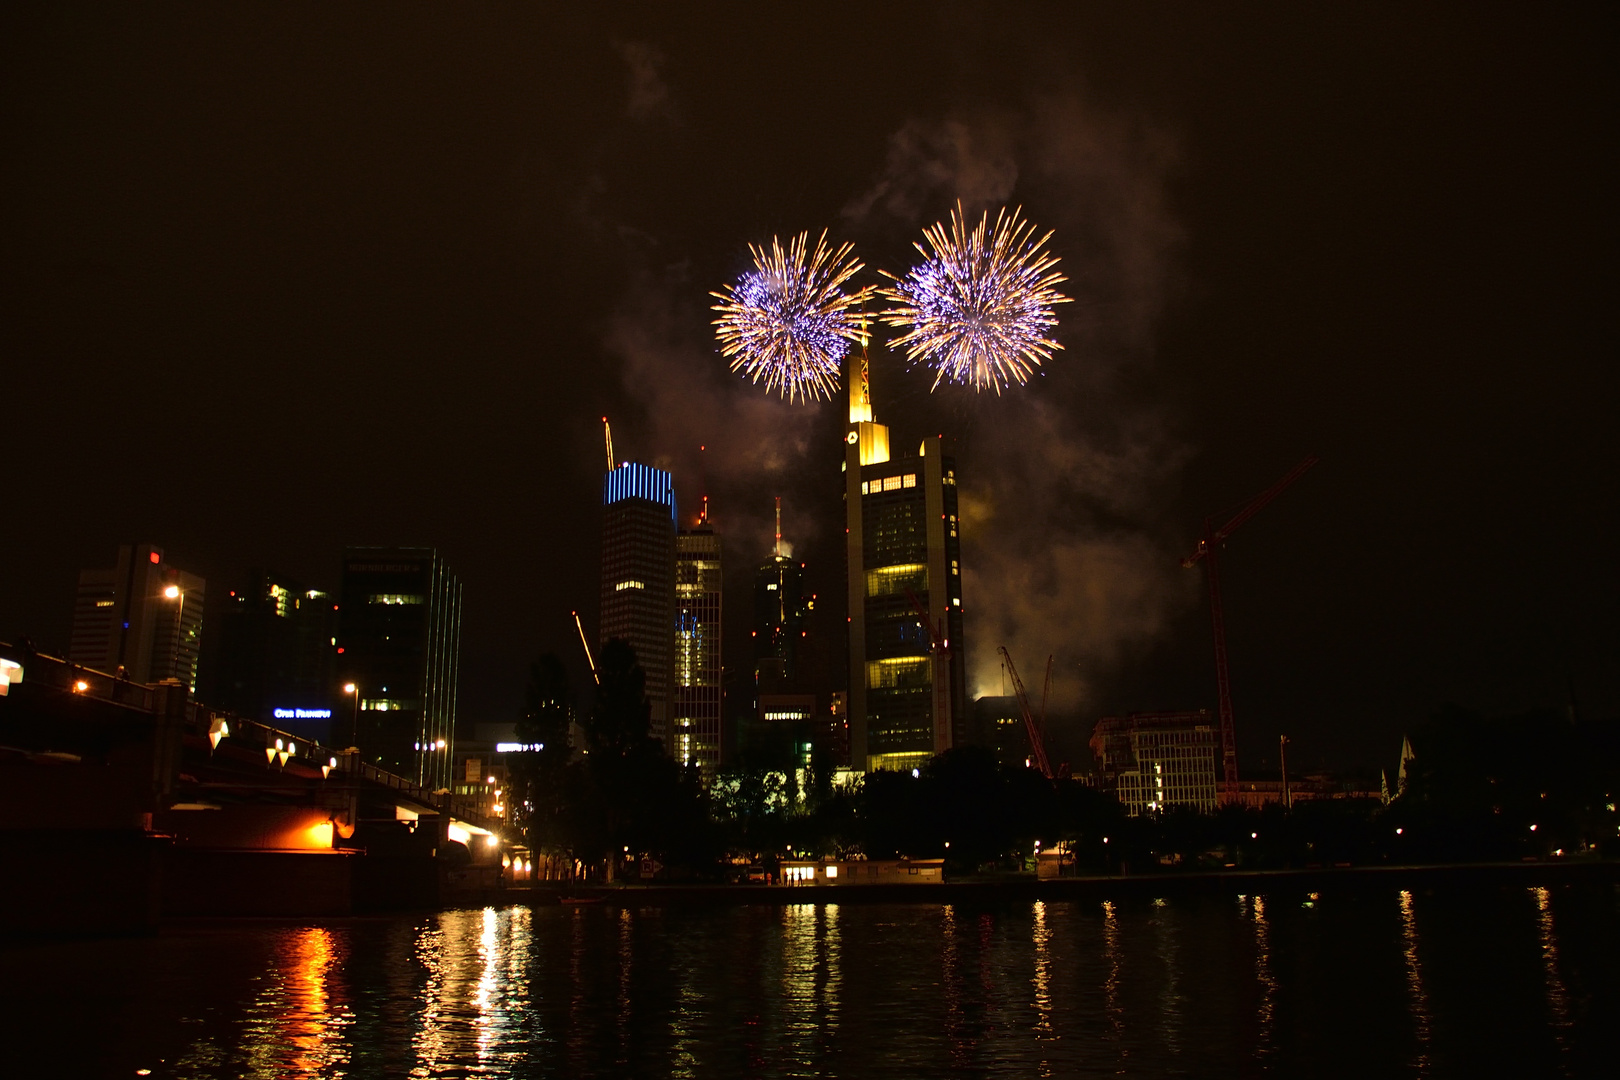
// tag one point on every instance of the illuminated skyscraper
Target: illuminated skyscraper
(695, 726)
(399, 645)
(638, 576)
(142, 617)
(907, 697)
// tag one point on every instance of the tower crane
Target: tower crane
(1205, 552)
(1037, 740)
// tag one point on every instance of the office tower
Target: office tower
(399, 646)
(1155, 761)
(998, 723)
(695, 724)
(638, 575)
(141, 618)
(781, 610)
(274, 663)
(906, 676)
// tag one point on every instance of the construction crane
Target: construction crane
(1207, 544)
(939, 651)
(1037, 741)
(589, 659)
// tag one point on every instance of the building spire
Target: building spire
(607, 435)
(860, 388)
(779, 526)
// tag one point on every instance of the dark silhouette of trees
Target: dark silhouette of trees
(537, 777)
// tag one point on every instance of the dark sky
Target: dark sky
(278, 279)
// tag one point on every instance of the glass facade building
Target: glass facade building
(1153, 762)
(695, 725)
(399, 644)
(274, 662)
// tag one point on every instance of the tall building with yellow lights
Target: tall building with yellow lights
(907, 699)
(695, 721)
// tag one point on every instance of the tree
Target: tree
(538, 793)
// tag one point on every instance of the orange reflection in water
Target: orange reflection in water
(295, 1027)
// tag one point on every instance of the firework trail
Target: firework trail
(978, 308)
(789, 322)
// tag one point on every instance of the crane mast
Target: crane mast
(1037, 742)
(1205, 553)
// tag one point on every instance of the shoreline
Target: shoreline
(1097, 887)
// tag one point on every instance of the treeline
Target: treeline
(1477, 789)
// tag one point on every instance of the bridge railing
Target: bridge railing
(170, 698)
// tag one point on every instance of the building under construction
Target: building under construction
(1153, 762)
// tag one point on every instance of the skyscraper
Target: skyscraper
(277, 644)
(695, 725)
(142, 617)
(399, 646)
(907, 697)
(781, 610)
(638, 576)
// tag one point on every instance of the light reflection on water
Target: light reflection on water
(1179, 986)
(1414, 982)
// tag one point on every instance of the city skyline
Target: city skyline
(1389, 257)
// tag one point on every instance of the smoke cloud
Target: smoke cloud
(756, 443)
(1066, 550)
(649, 97)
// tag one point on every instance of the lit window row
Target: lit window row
(623, 585)
(888, 483)
(394, 598)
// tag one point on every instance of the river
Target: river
(1367, 982)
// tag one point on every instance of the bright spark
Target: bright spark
(789, 322)
(978, 308)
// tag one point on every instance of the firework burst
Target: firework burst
(789, 321)
(978, 308)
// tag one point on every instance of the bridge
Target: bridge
(122, 803)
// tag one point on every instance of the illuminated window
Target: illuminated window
(910, 480)
(865, 487)
(394, 598)
(891, 483)
(104, 603)
(895, 580)
(623, 585)
(897, 672)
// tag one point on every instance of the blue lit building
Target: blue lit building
(638, 576)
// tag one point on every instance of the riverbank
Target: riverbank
(1083, 888)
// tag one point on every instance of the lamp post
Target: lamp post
(174, 592)
(354, 734)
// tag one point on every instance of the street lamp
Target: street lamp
(354, 735)
(174, 592)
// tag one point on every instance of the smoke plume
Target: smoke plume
(1065, 547)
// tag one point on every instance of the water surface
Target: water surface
(1372, 982)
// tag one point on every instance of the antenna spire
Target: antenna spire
(607, 435)
(779, 526)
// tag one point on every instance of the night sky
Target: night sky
(278, 279)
